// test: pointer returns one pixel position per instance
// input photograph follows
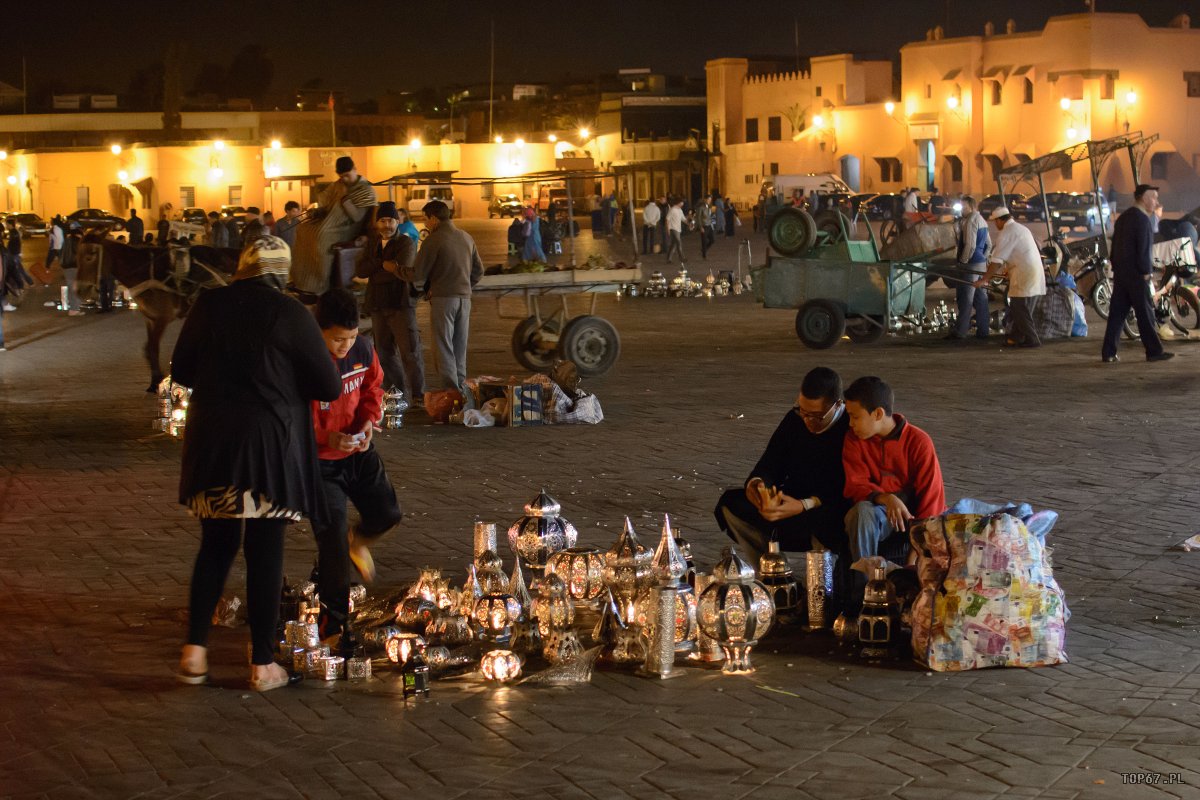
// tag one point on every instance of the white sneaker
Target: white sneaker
(9, 307)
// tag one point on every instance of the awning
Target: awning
(1024, 69)
(992, 150)
(952, 151)
(145, 186)
(1162, 146)
(1025, 149)
(882, 156)
(998, 73)
(952, 74)
(923, 118)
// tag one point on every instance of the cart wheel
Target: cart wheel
(830, 222)
(820, 323)
(1185, 309)
(792, 231)
(865, 329)
(592, 343)
(888, 232)
(530, 345)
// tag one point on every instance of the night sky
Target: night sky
(407, 46)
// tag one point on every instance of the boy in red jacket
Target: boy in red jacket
(351, 469)
(892, 470)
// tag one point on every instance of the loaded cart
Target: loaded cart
(839, 285)
(591, 342)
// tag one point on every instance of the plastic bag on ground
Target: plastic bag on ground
(474, 418)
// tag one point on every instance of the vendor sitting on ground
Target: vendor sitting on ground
(892, 471)
(794, 492)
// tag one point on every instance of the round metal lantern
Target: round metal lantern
(735, 611)
(879, 619)
(776, 575)
(628, 570)
(415, 613)
(501, 666)
(496, 613)
(394, 406)
(541, 532)
(582, 569)
(491, 581)
(553, 607)
(401, 646)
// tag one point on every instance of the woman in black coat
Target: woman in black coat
(255, 361)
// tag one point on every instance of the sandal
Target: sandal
(184, 675)
(277, 682)
(193, 671)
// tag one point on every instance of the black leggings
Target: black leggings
(219, 540)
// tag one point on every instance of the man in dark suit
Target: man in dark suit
(1133, 276)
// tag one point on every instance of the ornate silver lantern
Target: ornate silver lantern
(661, 647)
(541, 532)
(401, 646)
(707, 649)
(500, 666)
(582, 569)
(776, 575)
(553, 607)
(562, 646)
(450, 629)
(415, 613)
(518, 589)
(735, 611)
(496, 613)
(489, 560)
(485, 539)
(627, 571)
(394, 406)
(879, 619)
(426, 586)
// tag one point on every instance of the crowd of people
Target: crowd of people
(665, 219)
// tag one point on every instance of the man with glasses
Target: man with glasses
(794, 493)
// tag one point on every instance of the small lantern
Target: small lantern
(582, 569)
(415, 676)
(501, 666)
(491, 581)
(627, 570)
(331, 668)
(668, 560)
(707, 650)
(485, 539)
(437, 657)
(562, 646)
(376, 639)
(401, 646)
(553, 607)
(525, 637)
(450, 629)
(879, 619)
(470, 592)
(685, 548)
(358, 668)
(735, 611)
(661, 647)
(394, 406)
(445, 598)
(415, 613)
(620, 644)
(496, 613)
(426, 586)
(489, 560)
(776, 575)
(518, 589)
(541, 532)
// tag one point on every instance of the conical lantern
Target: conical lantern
(627, 571)
(541, 532)
(553, 607)
(562, 646)
(426, 586)
(685, 548)
(470, 593)
(610, 624)
(582, 568)
(668, 560)
(735, 611)
(518, 589)
(776, 575)
(450, 629)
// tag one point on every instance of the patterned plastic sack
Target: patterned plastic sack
(988, 595)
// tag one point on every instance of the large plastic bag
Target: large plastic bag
(474, 418)
(988, 595)
(583, 409)
(1038, 523)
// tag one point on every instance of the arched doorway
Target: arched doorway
(852, 172)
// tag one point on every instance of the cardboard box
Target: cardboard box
(523, 401)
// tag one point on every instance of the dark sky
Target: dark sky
(407, 45)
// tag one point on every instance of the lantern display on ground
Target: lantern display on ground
(553, 607)
(501, 666)
(173, 402)
(394, 406)
(415, 614)
(627, 571)
(495, 613)
(582, 569)
(541, 533)
(450, 629)
(879, 619)
(735, 611)
(775, 573)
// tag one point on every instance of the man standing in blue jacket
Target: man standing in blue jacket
(974, 242)
(1133, 276)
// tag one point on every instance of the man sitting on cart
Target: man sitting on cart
(794, 492)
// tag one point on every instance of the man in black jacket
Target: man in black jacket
(1133, 276)
(392, 305)
(794, 492)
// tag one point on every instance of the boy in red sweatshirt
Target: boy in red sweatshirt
(892, 470)
(351, 469)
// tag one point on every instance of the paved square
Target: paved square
(97, 558)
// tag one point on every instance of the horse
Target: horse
(164, 280)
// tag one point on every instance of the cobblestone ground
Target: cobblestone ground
(97, 558)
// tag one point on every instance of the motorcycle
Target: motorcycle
(1081, 262)
(1176, 308)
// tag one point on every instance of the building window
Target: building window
(889, 169)
(749, 179)
(818, 91)
(774, 167)
(1028, 91)
(187, 196)
(954, 167)
(1107, 87)
(82, 197)
(774, 128)
(235, 195)
(1193, 83)
(997, 92)
(752, 129)
(928, 91)
(996, 164)
(1158, 167)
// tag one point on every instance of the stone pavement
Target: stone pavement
(97, 558)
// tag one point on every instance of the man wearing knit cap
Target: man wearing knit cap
(391, 302)
(345, 210)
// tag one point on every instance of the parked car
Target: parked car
(505, 205)
(993, 201)
(31, 224)
(193, 215)
(424, 193)
(884, 207)
(96, 219)
(1078, 210)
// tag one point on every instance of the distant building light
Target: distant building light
(415, 142)
(3, 155)
(1065, 104)
(889, 107)
(216, 172)
(818, 121)
(499, 139)
(1071, 134)
(584, 133)
(122, 176)
(276, 144)
(519, 142)
(219, 144)
(12, 180)
(116, 149)
(551, 138)
(952, 102)
(1131, 97)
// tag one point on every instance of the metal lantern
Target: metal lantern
(685, 549)
(450, 629)
(470, 593)
(660, 649)
(525, 637)
(646, 614)
(562, 646)
(414, 676)
(553, 607)
(485, 539)
(496, 613)
(489, 560)
(394, 406)
(445, 597)
(541, 532)
(630, 647)
(518, 589)
(818, 585)
(776, 574)
(735, 611)
(415, 613)
(582, 569)
(501, 666)
(707, 649)
(879, 619)
(426, 586)
(668, 561)
(401, 646)
(627, 570)
(491, 581)
(620, 644)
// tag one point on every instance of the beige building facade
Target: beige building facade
(969, 106)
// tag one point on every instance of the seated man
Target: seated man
(892, 471)
(794, 492)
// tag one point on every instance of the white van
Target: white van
(420, 194)
(785, 187)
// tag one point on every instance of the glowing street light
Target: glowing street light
(818, 121)
(584, 133)
(414, 142)
(276, 144)
(552, 138)
(499, 139)
(1065, 104)
(219, 144)
(1131, 97)
(952, 102)
(116, 149)
(519, 142)
(215, 173)
(889, 107)
(1071, 134)
(122, 176)
(3, 155)
(12, 180)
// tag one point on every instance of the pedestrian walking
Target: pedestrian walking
(704, 222)
(974, 242)
(732, 220)
(135, 227)
(1133, 276)
(674, 223)
(255, 360)
(1017, 256)
(447, 266)
(391, 303)
(650, 219)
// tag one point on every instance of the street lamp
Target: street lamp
(1131, 97)
(414, 142)
(116, 149)
(552, 138)
(519, 142)
(499, 139)
(219, 144)
(12, 180)
(122, 176)
(276, 144)
(889, 107)
(584, 133)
